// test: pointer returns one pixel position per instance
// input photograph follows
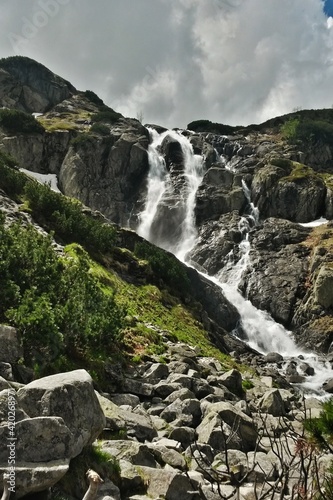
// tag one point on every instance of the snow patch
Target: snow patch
(49, 179)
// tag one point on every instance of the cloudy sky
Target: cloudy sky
(174, 61)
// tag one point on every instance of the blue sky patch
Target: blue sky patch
(328, 7)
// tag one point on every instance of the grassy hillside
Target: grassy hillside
(85, 300)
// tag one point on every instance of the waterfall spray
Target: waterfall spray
(158, 179)
(160, 188)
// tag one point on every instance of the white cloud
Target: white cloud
(231, 61)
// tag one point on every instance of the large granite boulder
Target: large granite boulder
(272, 403)
(71, 397)
(55, 417)
(290, 191)
(122, 420)
(39, 439)
(323, 287)
(241, 423)
(32, 478)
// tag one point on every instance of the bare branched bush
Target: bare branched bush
(297, 468)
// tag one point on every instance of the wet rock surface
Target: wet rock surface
(275, 280)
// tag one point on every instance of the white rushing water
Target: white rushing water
(314, 223)
(158, 179)
(193, 167)
(263, 333)
(159, 184)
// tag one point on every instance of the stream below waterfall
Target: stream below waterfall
(171, 208)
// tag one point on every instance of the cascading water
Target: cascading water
(158, 179)
(194, 172)
(263, 333)
(160, 189)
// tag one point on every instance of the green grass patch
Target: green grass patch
(247, 384)
(64, 216)
(55, 125)
(165, 265)
(157, 308)
(151, 312)
(299, 173)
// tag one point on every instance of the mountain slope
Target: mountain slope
(102, 159)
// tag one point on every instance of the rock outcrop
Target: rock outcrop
(106, 173)
(29, 86)
(278, 268)
(48, 422)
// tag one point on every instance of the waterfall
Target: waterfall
(263, 333)
(158, 179)
(194, 172)
(169, 217)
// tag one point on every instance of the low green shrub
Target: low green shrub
(83, 140)
(15, 121)
(316, 130)
(92, 97)
(106, 116)
(307, 130)
(57, 305)
(64, 216)
(208, 126)
(290, 129)
(321, 428)
(100, 128)
(11, 180)
(165, 265)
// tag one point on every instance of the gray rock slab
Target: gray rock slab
(70, 396)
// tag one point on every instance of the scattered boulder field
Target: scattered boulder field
(175, 429)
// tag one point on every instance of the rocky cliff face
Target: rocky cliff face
(105, 164)
(107, 173)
